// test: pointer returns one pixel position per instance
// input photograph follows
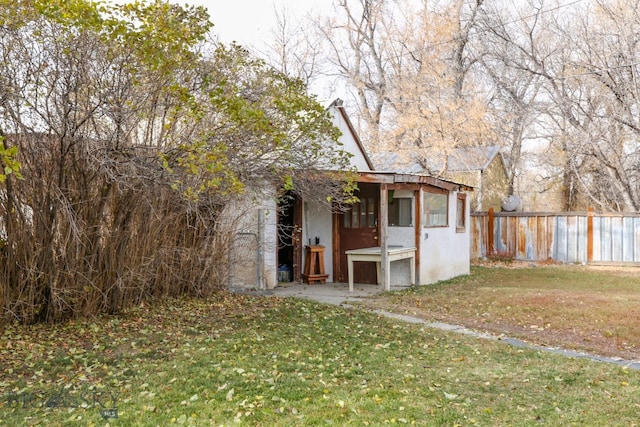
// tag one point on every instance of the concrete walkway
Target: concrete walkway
(338, 294)
(330, 293)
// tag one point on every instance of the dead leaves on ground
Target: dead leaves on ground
(268, 361)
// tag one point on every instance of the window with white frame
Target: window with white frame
(436, 212)
(400, 209)
(461, 211)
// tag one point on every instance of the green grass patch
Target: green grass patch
(240, 360)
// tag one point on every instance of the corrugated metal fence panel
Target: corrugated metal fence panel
(632, 239)
(602, 239)
(545, 238)
(501, 239)
(523, 238)
(629, 249)
(636, 240)
(616, 238)
(558, 236)
(570, 238)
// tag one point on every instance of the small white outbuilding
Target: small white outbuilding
(397, 214)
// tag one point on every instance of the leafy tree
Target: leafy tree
(134, 132)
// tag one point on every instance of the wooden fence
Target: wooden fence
(570, 237)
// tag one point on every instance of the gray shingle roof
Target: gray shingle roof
(459, 159)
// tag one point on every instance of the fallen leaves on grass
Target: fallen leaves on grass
(279, 362)
(573, 307)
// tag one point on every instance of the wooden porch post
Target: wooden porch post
(384, 245)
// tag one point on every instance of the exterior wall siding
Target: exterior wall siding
(562, 237)
(317, 222)
(252, 250)
(443, 250)
(400, 273)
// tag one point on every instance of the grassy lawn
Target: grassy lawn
(240, 360)
(592, 309)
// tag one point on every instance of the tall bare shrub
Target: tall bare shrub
(133, 134)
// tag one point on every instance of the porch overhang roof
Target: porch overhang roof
(393, 178)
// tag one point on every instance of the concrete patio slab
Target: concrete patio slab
(330, 293)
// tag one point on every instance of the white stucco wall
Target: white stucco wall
(270, 244)
(444, 253)
(400, 272)
(317, 222)
(253, 253)
(402, 236)
(349, 143)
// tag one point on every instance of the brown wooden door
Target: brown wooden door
(358, 228)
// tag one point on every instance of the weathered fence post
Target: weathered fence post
(490, 224)
(589, 235)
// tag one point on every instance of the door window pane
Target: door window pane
(362, 214)
(355, 216)
(371, 212)
(346, 222)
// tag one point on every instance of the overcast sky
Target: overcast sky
(249, 22)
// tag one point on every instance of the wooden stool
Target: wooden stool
(314, 265)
